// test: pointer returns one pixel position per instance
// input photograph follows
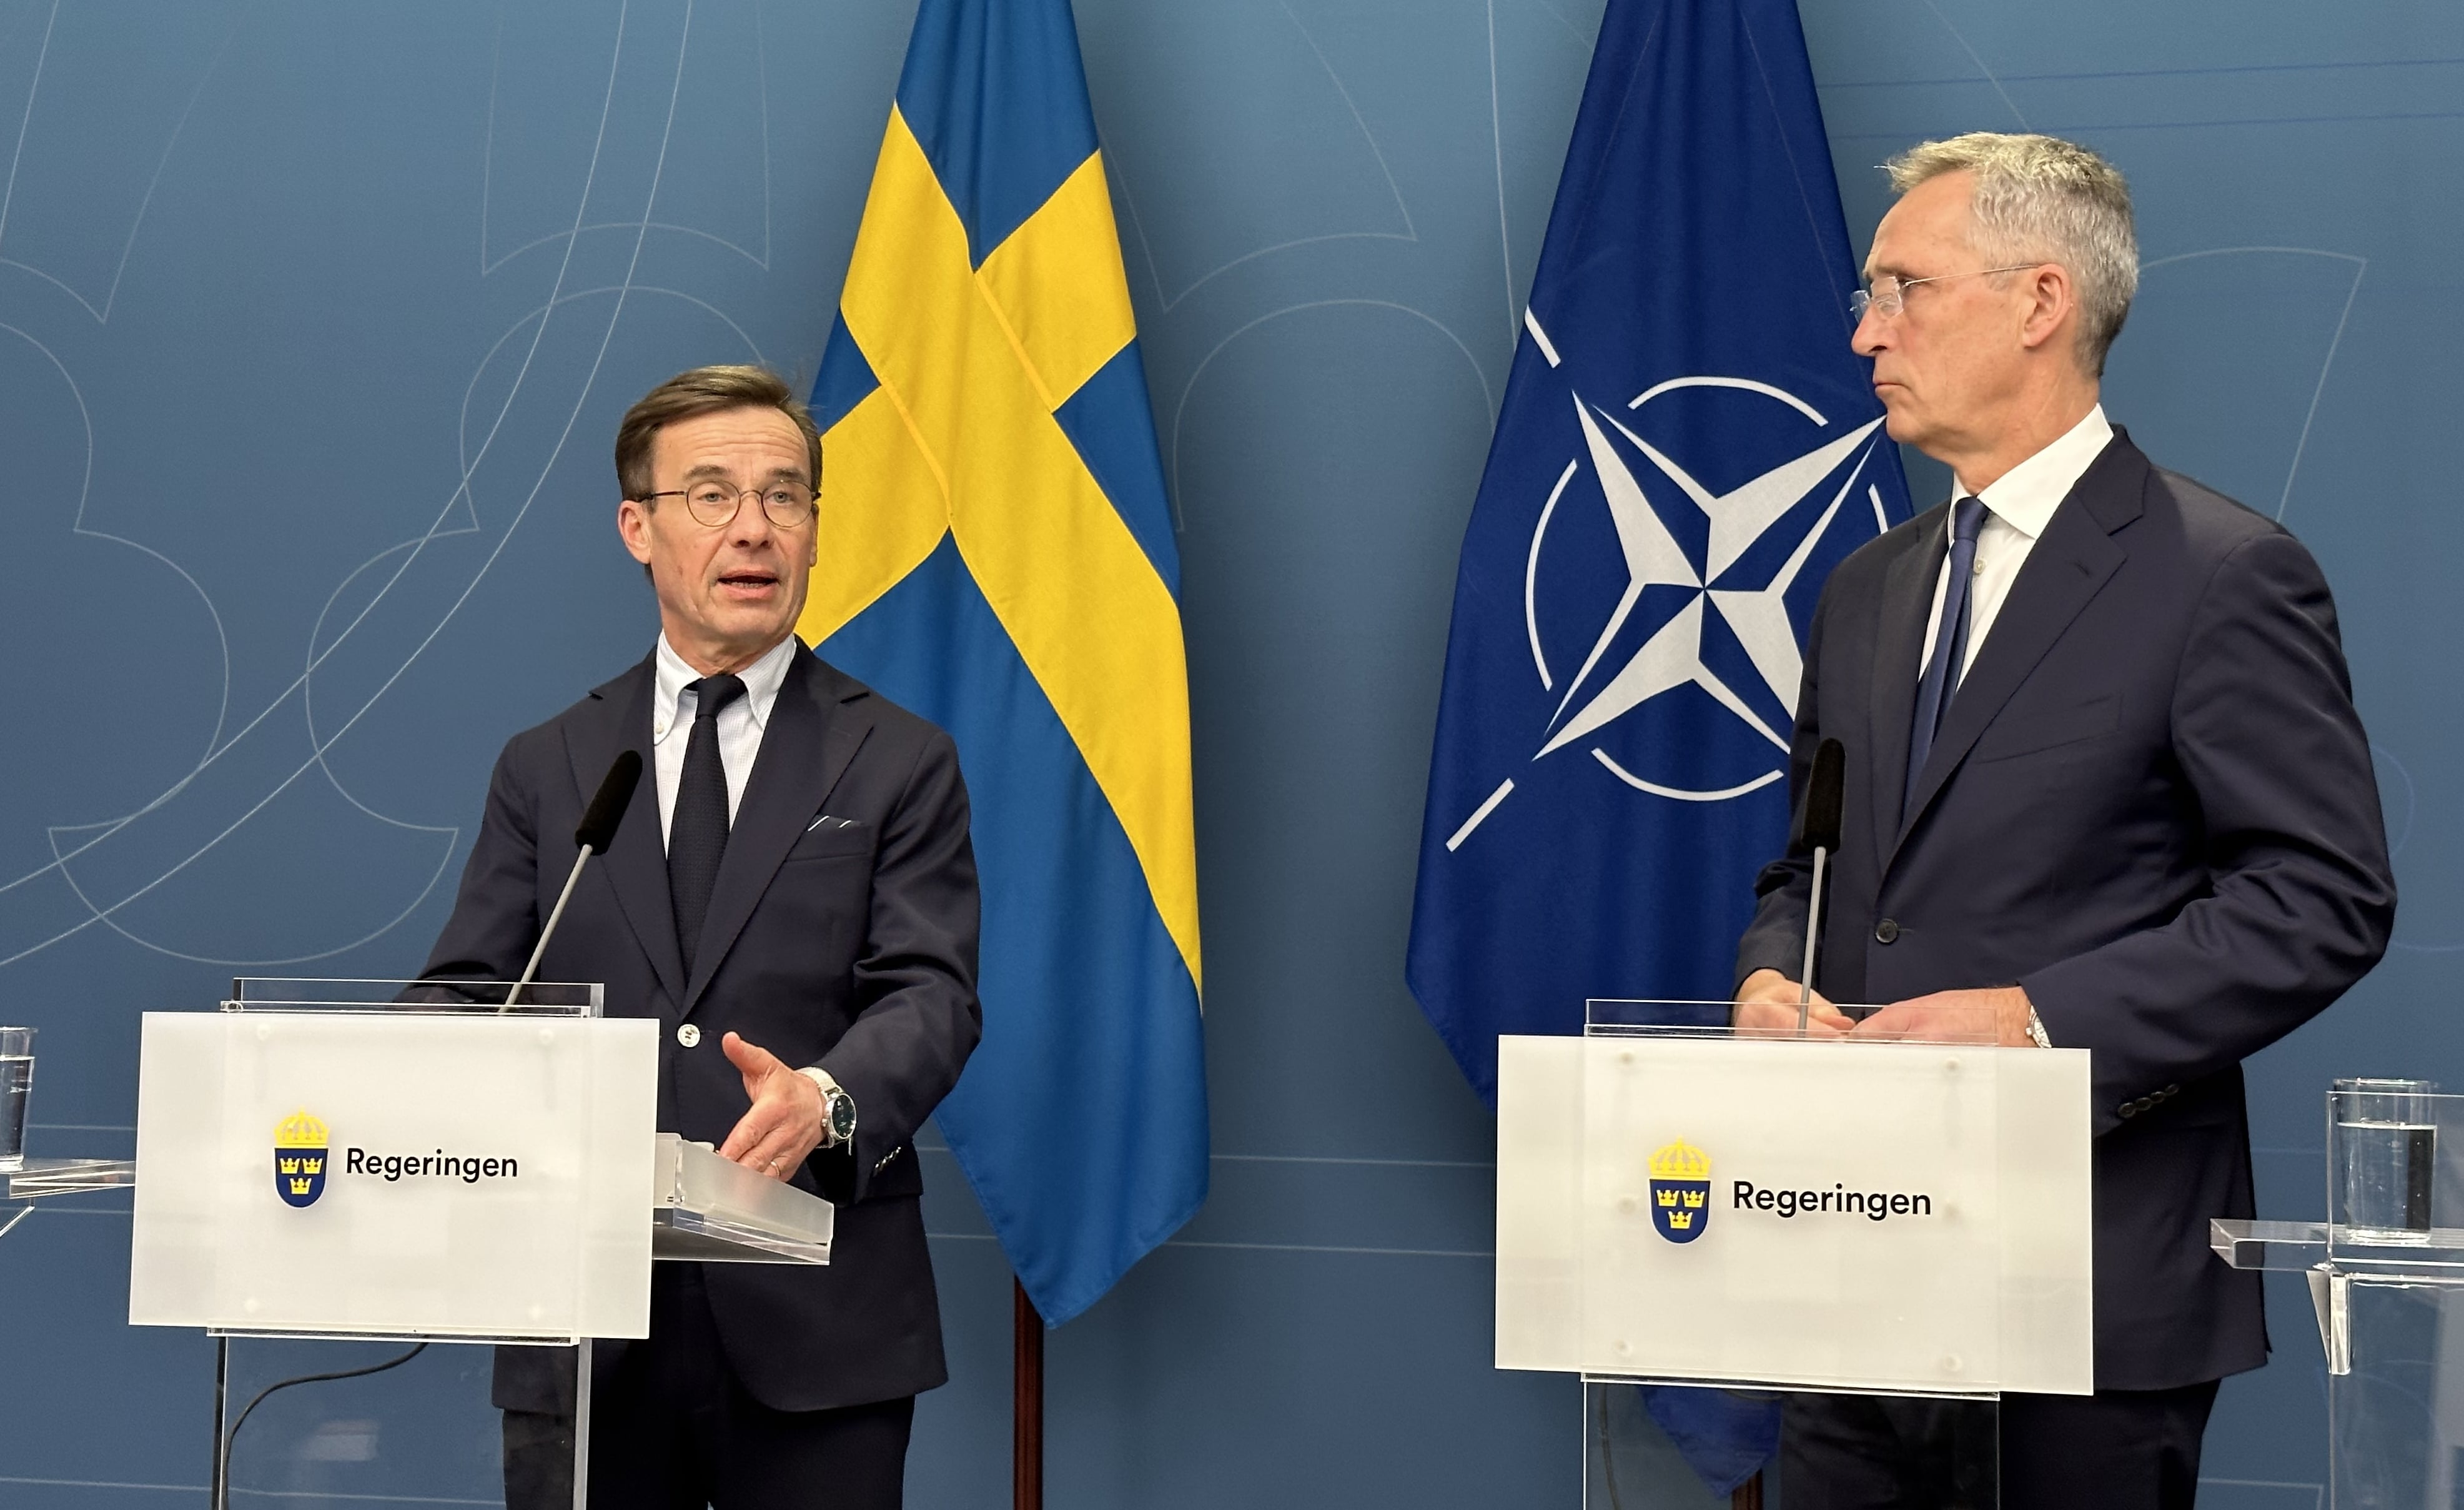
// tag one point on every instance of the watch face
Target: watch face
(842, 1117)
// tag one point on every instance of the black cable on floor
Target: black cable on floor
(348, 1373)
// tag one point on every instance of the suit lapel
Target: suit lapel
(806, 747)
(636, 862)
(1907, 601)
(2065, 571)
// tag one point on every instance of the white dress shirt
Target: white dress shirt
(740, 723)
(740, 743)
(2017, 508)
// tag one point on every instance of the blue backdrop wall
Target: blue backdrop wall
(315, 323)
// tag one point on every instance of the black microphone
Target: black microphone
(1817, 828)
(593, 835)
(1818, 821)
(597, 829)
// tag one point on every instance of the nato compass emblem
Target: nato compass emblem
(300, 1143)
(1705, 575)
(1680, 1192)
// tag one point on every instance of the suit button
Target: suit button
(2170, 1090)
(689, 1034)
(2129, 1108)
(1886, 931)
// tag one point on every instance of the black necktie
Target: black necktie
(698, 830)
(1942, 668)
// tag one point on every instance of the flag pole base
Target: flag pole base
(1026, 1402)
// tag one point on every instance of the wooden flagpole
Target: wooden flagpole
(1026, 1402)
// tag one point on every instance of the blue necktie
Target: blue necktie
(1941, 677)
(697, 828)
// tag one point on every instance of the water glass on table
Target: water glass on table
(2385, 1150)
(17, 1081)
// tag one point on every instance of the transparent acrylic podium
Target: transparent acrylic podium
(1763, 1213)
(335, 1178)
(21, 1187)
(2386, 1272)
(24, 1180)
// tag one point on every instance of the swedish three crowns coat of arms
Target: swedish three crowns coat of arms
(1680, 1192)
(299, 1158)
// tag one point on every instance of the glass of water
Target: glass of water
(16, 1079)
(2383, 1157)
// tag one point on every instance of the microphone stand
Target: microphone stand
(1812, 936)
(1818, 829)
(596, 831)
(572, 878)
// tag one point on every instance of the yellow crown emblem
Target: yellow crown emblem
(300, 1130)
(1681, 1161)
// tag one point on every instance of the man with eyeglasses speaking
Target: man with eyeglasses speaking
(798, 909)
(2104, 784)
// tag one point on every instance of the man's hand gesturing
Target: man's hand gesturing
(786, 1121)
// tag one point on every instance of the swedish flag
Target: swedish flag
(998, 556)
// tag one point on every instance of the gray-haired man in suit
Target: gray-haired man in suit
(2107, 789)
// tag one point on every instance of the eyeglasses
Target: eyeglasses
(715, 505)
(1889, 295)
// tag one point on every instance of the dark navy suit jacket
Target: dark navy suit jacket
(849, 943)
(2150, 806)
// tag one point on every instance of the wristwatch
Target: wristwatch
(2037, 1030)
(838, 1108)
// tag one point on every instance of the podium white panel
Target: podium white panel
(395, 1172)
(1885, 1217)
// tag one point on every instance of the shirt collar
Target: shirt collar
(762, 680)
(2026, 494)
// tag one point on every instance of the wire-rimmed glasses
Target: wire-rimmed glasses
(790, 505)
(1890, 293)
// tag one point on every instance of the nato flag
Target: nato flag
(1688, 447)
